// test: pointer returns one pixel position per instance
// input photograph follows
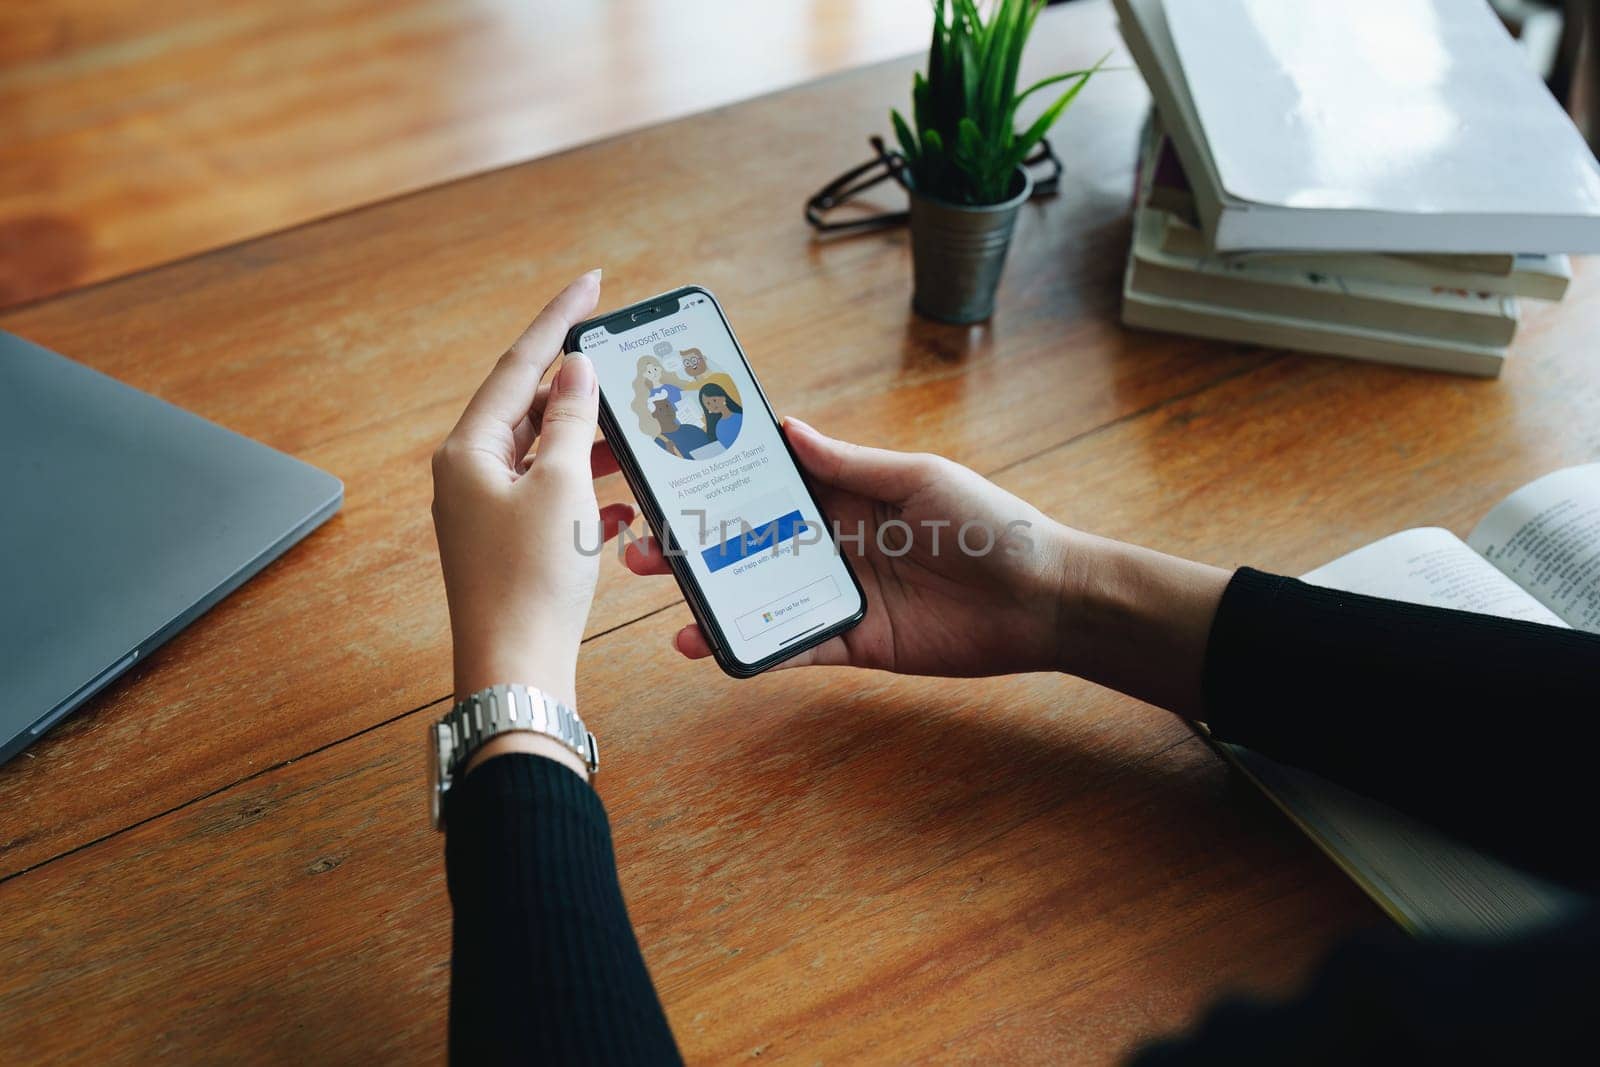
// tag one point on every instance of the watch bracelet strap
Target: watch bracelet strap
(507, 708)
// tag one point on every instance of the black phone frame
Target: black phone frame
(633, 316)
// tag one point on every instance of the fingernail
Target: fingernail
(595, 273)
(577, 373)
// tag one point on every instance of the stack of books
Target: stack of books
(1376, 179)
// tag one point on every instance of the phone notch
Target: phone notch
(641, 314)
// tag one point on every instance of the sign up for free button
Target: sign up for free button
(787, 608)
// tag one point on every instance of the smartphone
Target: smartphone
(700, 447)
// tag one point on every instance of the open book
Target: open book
(1535, 556)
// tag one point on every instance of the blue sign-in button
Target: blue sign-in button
(766, 535)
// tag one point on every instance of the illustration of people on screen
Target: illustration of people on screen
(698, 368)
(657, 384)
(683, 416)
(688, 441)
(657, 393)
(724, 414)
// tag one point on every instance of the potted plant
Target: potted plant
(964, 156)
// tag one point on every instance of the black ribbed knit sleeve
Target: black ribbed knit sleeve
(544, 966)
(1388, 998)
(1486, 727)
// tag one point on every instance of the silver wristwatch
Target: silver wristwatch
(497, 710)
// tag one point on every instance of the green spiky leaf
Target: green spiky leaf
(961, 142)
(908, 143)
(1041, 125)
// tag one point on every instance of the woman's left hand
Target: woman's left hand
(510, 525)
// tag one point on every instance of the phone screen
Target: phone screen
(705, 443)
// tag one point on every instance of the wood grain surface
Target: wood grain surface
(354, 343)
(137, 134)
(821, 865)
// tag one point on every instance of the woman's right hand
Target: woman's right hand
(979, 590)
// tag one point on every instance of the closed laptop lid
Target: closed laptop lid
(121, 516)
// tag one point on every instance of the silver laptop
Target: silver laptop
(122, 519)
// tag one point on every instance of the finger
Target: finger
(527, 430)
(508, 393)
(831, 653)
(613, 517)
(691, 643)
(645, 557)
(871, 472)
(602, 461)
(566, 434)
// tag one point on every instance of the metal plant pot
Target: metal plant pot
(958, 252)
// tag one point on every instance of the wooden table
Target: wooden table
(226, 857)
(136, 134)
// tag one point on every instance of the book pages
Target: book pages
(1434, 567)
(1429, 883)
(1546, 538)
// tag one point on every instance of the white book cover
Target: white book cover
(1392, 125)
(1162, 185)
(1534, 275)
(1152, 312)
(1269, 288)
(1202, 318)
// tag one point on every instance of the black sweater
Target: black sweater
(1484, 726)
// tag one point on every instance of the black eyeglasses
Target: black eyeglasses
(887, 164)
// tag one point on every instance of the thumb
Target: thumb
(870, 472)
(567, 431)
